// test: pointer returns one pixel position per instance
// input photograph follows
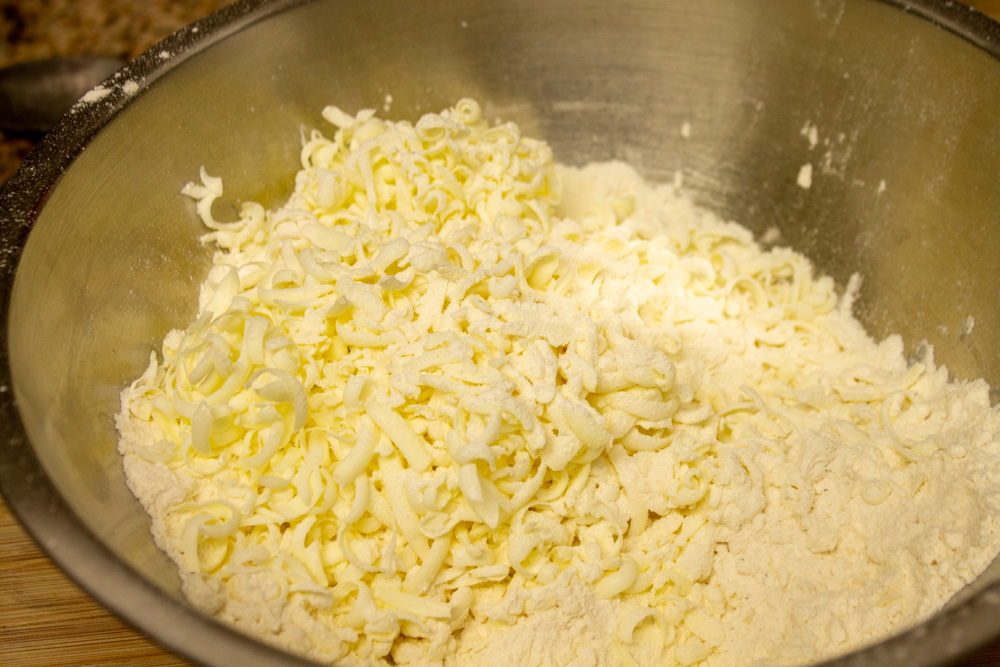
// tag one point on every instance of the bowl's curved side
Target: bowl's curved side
(143, 591)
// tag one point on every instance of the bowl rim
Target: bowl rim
(55, 527)
(962, 20)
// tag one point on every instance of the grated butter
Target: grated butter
(454, 404)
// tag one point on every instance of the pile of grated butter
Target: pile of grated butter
(454, 403)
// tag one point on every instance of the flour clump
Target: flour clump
(454, 400)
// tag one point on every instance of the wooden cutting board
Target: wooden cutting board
(46, 621)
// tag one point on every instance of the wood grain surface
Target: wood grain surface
(46, 621)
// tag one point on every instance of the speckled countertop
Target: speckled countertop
(44, 618)
(36, 29)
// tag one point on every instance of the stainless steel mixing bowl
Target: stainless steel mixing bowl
(100, 252)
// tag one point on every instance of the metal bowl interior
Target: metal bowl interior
(101, 254)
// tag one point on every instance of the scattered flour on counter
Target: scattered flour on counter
(457, 404)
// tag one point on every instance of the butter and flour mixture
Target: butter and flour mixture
(455, 403)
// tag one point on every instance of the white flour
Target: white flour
(731, 470)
